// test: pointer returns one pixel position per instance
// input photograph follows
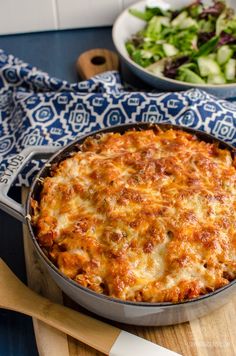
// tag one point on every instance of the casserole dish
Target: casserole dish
(137, 313)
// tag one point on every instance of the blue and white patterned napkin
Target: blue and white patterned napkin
(36, 109)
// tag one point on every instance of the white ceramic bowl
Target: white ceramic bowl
(126, 25)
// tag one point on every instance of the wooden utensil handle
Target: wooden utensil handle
(96, 61)
(14, 295)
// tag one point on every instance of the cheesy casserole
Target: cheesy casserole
(147, 216)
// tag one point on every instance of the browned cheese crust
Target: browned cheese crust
(145, 216)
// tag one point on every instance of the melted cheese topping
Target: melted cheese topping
(144, 216)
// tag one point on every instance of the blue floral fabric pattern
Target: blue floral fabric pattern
(36, 109)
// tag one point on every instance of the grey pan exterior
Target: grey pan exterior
(141, 313)
(149, 314)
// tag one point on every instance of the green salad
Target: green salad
(196, 44)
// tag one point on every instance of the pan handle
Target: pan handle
(15, 165)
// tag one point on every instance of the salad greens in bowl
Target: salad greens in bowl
(175, 47)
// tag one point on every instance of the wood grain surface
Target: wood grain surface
(96, 61)
(212, 335)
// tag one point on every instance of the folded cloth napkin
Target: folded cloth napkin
(36, 109)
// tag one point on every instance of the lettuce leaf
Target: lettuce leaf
(148, 14)
(207, 47)
(215, 10)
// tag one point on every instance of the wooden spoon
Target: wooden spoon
(14, 295)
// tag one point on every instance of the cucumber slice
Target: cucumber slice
(146, 54)
(216, 79)
(153, 27)
(164, 20)
(230, 69)
(187, 22)
(157, 67)
(224, 53)
(208, 66)
(212, 56)
(170, 50)
(187, 75)
(179, 19)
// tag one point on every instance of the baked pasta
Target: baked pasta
(145, 216)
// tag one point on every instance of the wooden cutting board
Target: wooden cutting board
(214, 334)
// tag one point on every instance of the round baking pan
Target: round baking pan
(136, 313)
